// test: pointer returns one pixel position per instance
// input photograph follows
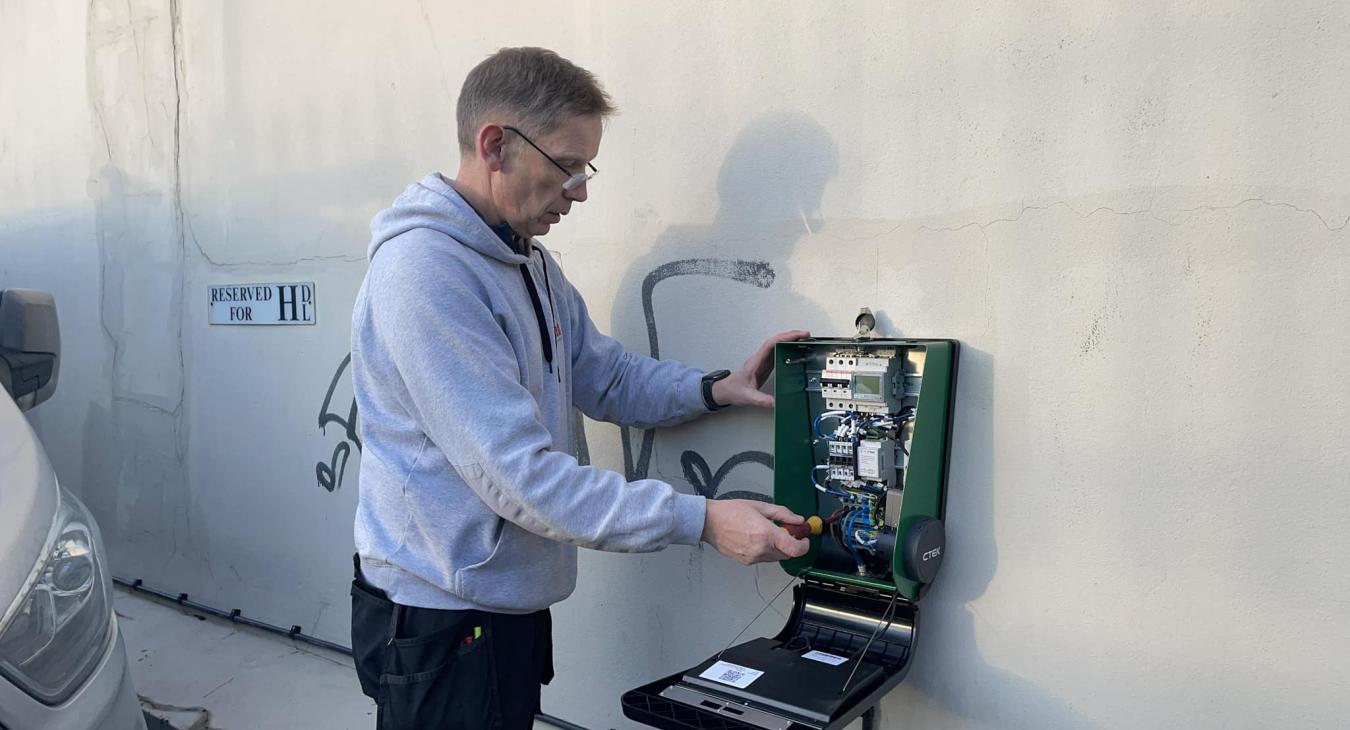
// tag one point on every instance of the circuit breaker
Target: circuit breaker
(861, 442)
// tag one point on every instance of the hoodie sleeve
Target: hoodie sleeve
(609, 383)
(463, 385)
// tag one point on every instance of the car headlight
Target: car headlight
(61, 630)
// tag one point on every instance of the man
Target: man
(469, 351)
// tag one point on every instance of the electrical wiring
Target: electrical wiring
(868, 538)
(822, 487)
(848, 537)
(815, 425)
(856, 526)
(836, 528)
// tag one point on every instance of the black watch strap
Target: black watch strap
(708, 381)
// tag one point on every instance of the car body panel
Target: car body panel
(28, 503)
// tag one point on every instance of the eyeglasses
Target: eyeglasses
(573, 179)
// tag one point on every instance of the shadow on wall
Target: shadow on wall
(770, 187)
(115, 431)
(119, 430)
(731, 285)
(951, 672)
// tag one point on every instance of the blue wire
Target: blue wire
(848, 532)
(868, 516)
(815, 425)
(841, 495)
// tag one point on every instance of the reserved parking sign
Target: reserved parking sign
(291, 303)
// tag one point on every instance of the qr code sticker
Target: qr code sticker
(732, 674)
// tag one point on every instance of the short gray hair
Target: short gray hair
(536, 86)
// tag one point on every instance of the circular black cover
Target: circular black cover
(925, 542)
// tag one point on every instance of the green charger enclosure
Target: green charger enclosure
(862, 437)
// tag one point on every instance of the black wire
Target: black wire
(836, 532)
(887, 619)
(756, 618)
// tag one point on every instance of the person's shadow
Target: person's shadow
(708, 295)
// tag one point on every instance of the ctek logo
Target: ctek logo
(934, 553)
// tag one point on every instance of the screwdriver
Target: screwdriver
(812, 526)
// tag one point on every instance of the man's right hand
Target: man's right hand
(745, 531)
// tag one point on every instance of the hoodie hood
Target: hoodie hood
(434, 204)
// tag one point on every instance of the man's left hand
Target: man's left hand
(742, 387)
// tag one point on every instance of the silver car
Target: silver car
(63, 665)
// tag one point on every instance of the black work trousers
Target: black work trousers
(435, 669)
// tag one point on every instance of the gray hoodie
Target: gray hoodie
(465, 380)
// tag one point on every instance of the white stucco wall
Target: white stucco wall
(1134, 219)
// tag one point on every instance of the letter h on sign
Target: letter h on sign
(294, 302)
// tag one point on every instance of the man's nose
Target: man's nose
(577, 193)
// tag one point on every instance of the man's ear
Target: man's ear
(492, 147)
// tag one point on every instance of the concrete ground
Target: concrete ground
(197, 672)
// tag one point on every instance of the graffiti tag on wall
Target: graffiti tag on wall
(695, 467)
(331, 473)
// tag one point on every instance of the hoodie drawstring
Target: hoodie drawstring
(544, 336)
(548, 288)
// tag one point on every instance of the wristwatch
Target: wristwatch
(708, 381)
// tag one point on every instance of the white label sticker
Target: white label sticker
(869, 462)
(732, 674)
(821, 656)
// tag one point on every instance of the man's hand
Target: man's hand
(741, 388)
(744, 530)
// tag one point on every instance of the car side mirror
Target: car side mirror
(30, 345)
